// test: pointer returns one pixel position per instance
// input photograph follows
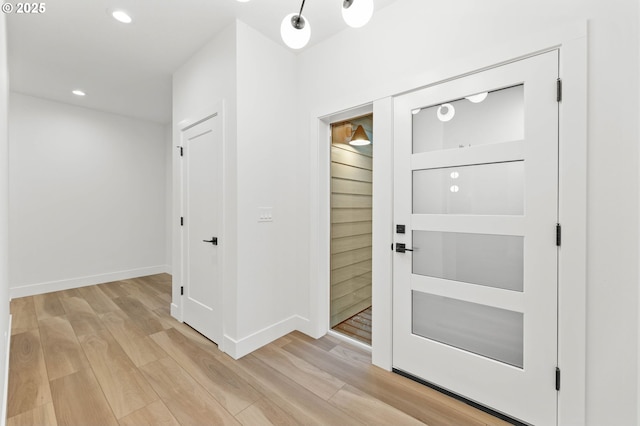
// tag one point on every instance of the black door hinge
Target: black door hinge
(181, 152)
(181, 291)
(559, 90)
(181, 221)
(391, 246)
(558, 234)
(557, 378)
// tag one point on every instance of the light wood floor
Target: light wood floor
(112, 355)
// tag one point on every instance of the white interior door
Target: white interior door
(202, 213)
(476, 185)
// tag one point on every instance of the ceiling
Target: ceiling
(126, 68)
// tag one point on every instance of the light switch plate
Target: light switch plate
(265, 214)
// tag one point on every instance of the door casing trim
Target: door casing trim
(177, 309)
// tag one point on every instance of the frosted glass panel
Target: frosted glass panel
(489, 260)
(498, 118)
(484, 330)
(492, 189)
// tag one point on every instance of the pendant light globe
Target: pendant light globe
(295, 32)
(356, 13)
(446, 112)
(476, 99)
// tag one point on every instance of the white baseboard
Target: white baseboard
(239, 348)
(175, 312)
(168, 269)
(312, 330)
(5, 385)
(48, 287)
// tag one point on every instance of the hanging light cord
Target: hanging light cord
(300, 14)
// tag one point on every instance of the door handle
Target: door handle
(213, 240)
(402, 248)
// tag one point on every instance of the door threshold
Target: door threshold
(460, 398)
(350, 340)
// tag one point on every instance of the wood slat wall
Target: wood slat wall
(351, 197)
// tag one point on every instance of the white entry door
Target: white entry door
(202, 214)
(476, 186)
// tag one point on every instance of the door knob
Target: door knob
(402, 248)
(213, 240)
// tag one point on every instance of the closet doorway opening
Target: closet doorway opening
(351, 227)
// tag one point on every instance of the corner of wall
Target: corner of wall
(267, 278)
(5, 317)
(237, 348)
(168, 195)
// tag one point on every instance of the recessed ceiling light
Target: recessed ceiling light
(78, 92)
(122, 16)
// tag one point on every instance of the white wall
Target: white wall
(169, 148)
(410, 37)
(86, 196)
(266, 178)
(254, 76)
(4, 219)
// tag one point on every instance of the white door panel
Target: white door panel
(475, 302)
(202, 210)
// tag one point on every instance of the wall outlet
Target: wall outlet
(265, 214)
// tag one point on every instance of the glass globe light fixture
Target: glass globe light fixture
(295, 31)
(356, 13)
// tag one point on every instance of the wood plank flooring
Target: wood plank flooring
(111, 354)
(358, 326)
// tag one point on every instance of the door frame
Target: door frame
(178, 250)
(327, 122)
(324, 150)
(522, 367)
(571, 41)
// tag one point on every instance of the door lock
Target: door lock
(402, 248)
(213, 240)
